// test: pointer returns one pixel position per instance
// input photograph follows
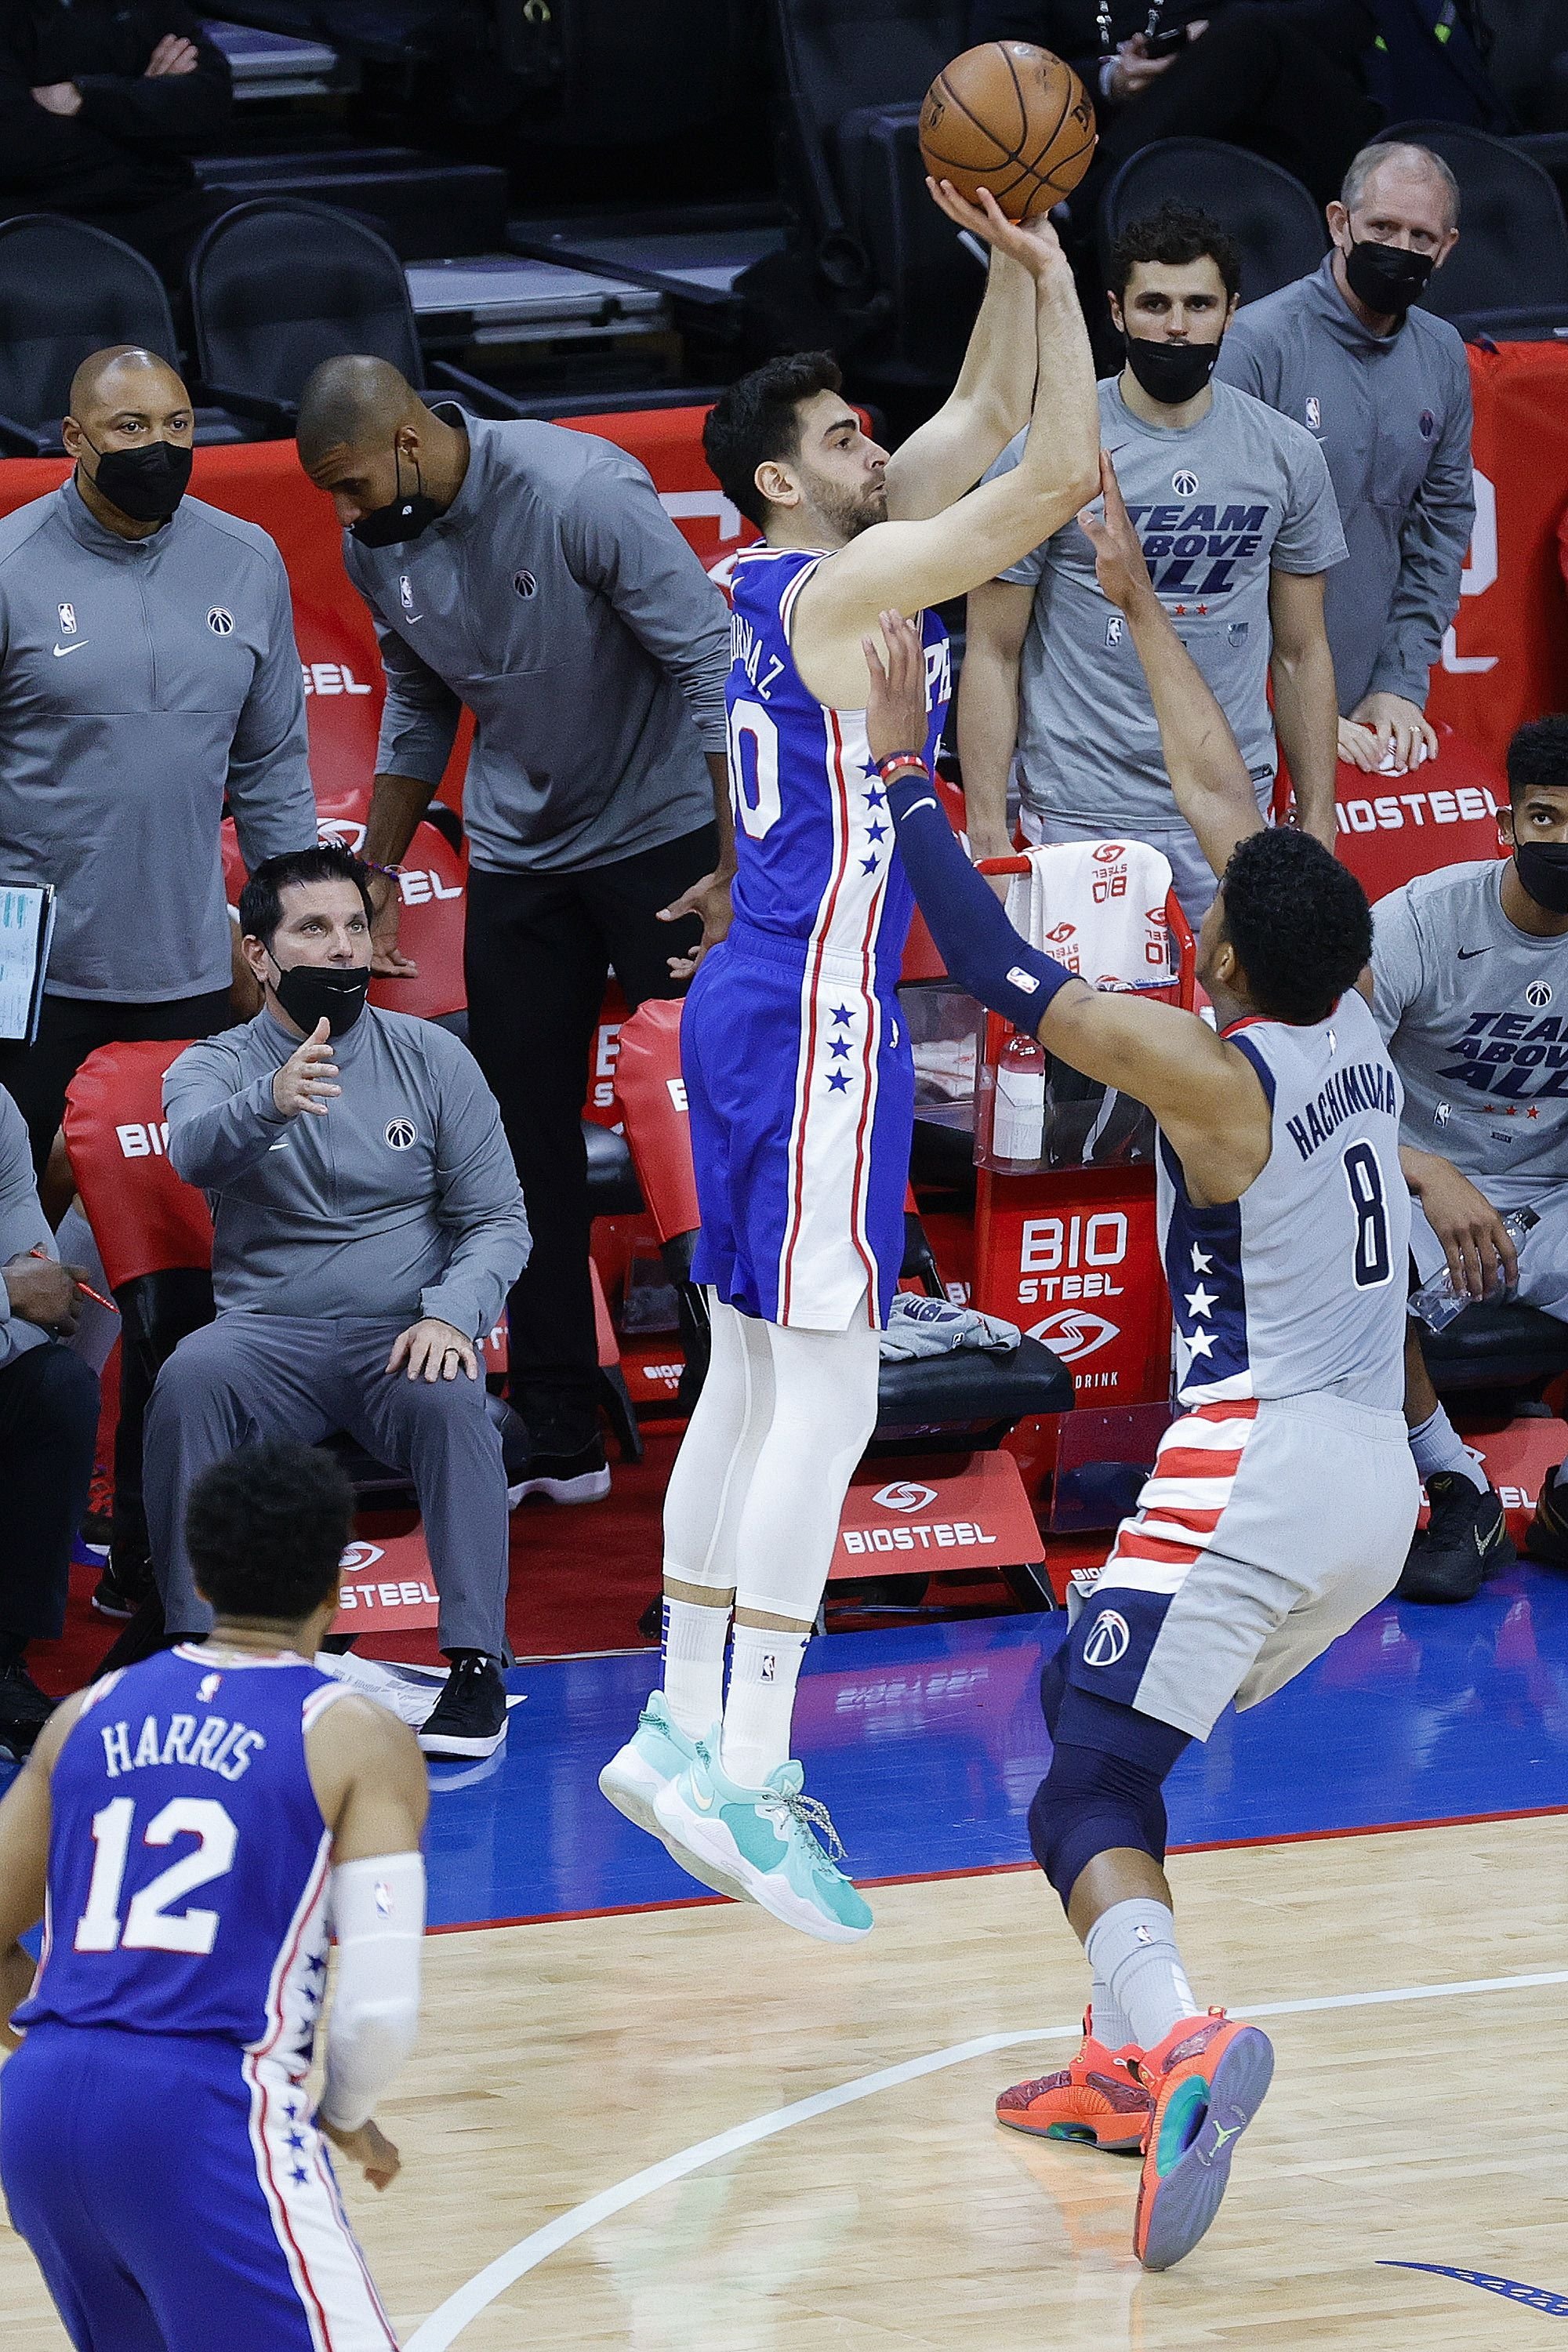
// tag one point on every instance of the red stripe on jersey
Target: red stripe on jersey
(1195, 1461)
(1201, 1523)
(1133, 1544)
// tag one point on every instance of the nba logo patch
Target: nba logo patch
(1314, 414)
(1114, 627)
(406, 592)
(1428, 425)
(206, 1689)
(1235, 634)
(67, 620)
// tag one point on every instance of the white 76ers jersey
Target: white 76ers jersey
(1300, 1285)
(813, 841)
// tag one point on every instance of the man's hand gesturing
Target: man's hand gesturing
(309, 1078)
(1034, 245)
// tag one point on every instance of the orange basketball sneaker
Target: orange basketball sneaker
(1096, 2099)
(1206, 2080)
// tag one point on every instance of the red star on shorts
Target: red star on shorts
(1532, 1112)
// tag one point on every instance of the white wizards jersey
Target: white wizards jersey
(1300, 1285)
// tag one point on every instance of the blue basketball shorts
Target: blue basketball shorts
(178, 2199)
(800, 1084)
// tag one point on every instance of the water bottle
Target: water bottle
(1437, 1302)
(1018, 1123)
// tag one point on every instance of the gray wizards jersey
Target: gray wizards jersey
(1299, 1286)
(1476, 1016)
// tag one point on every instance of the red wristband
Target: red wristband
(895, 760)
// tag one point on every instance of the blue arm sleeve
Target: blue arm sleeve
(979, 946)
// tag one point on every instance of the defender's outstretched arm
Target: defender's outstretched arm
(1209, 780)
(1196, 1085)
(991, 400)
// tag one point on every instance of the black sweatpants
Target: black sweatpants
(48, 1425)
(36, 1077)
(539, 947)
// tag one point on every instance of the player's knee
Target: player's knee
(1092, 1803)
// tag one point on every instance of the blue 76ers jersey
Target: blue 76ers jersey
(813, 841)
(188, 1858)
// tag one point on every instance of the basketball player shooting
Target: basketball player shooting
(1281, 1503)
(195, 1826)
(798, 1072)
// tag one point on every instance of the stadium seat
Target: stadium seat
(1279, 229)
(65, 291)
(277, 285)
(1505, 1346)
(854, 74)
(1507, 276)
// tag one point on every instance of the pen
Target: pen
(86, 1289)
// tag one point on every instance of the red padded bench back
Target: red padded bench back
(144, 1220)
(652, 1095)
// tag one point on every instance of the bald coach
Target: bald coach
(531, 575)
(147, 671)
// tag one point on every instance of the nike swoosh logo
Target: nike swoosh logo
(1466, 954)
(61, 650)
(703, 1804)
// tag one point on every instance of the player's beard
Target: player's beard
(849, 512)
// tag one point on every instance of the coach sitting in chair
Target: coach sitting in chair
(367, 1224)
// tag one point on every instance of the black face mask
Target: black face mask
(1542, 868)
(145, 484)
(1171, 373)
(1387, 278)
(310, 992)
(405, 519)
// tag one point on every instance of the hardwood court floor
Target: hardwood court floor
(557, 2060)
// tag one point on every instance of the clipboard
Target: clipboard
(26, 931)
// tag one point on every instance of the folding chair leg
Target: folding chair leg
(619, 1410)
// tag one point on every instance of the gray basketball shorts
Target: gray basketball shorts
(1265, 1530)
(1542, 1260)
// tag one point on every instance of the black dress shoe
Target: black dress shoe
(1547, 1537)
(124, 1585)
(469, 1718)
(580, 1475)
(1465, 1540)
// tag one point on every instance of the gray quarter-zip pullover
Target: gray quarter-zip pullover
(23, 1226)
(556, 599)
(402, 1200)
(1392, 416)
(141, 680)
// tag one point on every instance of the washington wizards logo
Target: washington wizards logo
(400, 1134)
(220, 621)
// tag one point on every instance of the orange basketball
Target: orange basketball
(1011, 118)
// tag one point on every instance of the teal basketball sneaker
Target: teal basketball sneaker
(657, 1751)
(767, 1839)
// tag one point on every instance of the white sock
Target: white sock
(694, 1639)
(1132, 1947)
(765, 1668)
(98, 1328)
(1437, 1445)
(1108, 2019)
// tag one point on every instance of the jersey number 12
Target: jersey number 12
(149, 1924)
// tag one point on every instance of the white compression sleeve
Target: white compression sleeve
(824, 1411)
(712, 1471)
(377, 1909)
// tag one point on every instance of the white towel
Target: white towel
(1099, 907)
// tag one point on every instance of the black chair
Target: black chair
(1507, 276)
(1278, 225)
(65, 291)
(278, 285)
(854, 73)
(1501, 1347)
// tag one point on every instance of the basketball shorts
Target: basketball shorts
(178, 2199)
(800, 1084)
(1542, 1261)
(1264, 1531)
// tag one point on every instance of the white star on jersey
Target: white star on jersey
(1201, 1343)
(1201, 1265)
(1201, 1301)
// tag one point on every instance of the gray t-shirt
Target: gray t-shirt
(558, 601)
(1217, 505)
(1475, 1015)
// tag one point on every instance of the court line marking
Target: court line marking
(445, 2324)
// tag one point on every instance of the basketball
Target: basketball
(1011, 118)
